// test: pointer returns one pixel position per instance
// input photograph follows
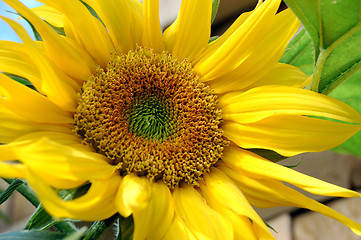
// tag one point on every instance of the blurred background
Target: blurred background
(290, 223)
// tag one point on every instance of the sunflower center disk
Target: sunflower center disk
(150, 115)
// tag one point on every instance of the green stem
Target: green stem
(99, 227)
(10, 190)
(28, 193)
(322, 58)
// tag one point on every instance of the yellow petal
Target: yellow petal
(14, 126)
(277, 192)
(260, 168)
(251, 27)
(96, 204)
(51, 15)
(154, 220)
(29, 104)
(289, 135)
(59, 88)
(9, 170)
(263, 197)
(60, 159)
(178, 230)
(250, 52)
(65, 53)
(152, 33)
(221, 190)
(242, 226)
(133, 194)
(15, 60)
(123, 20)
(90, 31)
(7, 153)
(214, 45)
(283, 74)
(258, 63)
(188, 36)
(262, 102)
(200, 219)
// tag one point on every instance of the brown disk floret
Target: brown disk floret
(150, 115)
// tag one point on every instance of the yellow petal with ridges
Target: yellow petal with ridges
(188, 36)
(154, 220)
(14, 126)
(257, 63)
(96, 204)
(240, 47)
(214, 45)
(133, 194)
(51, 15)
(242, 226)
(123, 21)
(277, 192)
(221, 189)
(15, 60)
(289, 135)
(248, 186)
(65, 53)
(260, 168)
(262, 102)
(178, 230)
(59, 88)
(90, 31)
(152, 33)
(60, 159)
(200, 219)
(283, 74)
(34, 107)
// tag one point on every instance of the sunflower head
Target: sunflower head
(150, 115)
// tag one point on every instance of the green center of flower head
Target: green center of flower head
(150, 115)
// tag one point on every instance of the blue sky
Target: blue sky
(6, 33)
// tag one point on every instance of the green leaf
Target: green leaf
(42, 220)
(98, 228)
(349, 92)
(335, 29)
(270, 227)
(37, 36)
(268, 154)
(300, 52)
(10, 190)
(294, 165)
(215, 6)
(126, 228)
(39, 220)
(306, 11)
(32, 235)
(59, 30)
(35, 32)
(214, 38)
(92, 11)
(21, 80)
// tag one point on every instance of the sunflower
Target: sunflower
(163, 126)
